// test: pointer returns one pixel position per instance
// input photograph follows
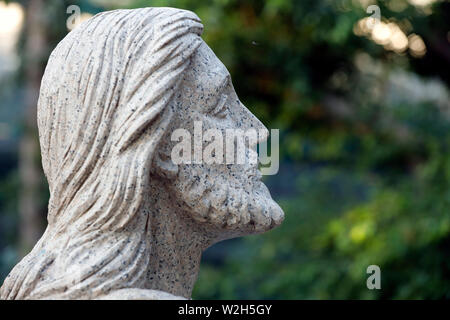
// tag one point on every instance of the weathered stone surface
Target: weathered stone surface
(124, 221)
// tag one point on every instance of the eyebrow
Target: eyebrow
(224, 82)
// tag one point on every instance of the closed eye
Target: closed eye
(221, 108)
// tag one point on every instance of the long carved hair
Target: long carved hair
(103, 108)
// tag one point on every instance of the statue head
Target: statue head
(113, 93)
(227, 197)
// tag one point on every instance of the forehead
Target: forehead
(207, 73)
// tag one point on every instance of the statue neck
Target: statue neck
(176, 246)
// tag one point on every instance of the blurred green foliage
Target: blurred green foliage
(365, 173)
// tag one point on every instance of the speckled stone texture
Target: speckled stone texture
(125, 222)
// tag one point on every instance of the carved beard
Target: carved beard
(236, 200)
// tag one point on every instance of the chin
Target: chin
(267, 214)
(230, 209)
(260, 214)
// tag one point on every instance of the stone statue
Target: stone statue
(124, 221)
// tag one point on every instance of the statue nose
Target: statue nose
(251, 121)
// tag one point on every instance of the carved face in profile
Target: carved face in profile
(122, 215)
(229, 198)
